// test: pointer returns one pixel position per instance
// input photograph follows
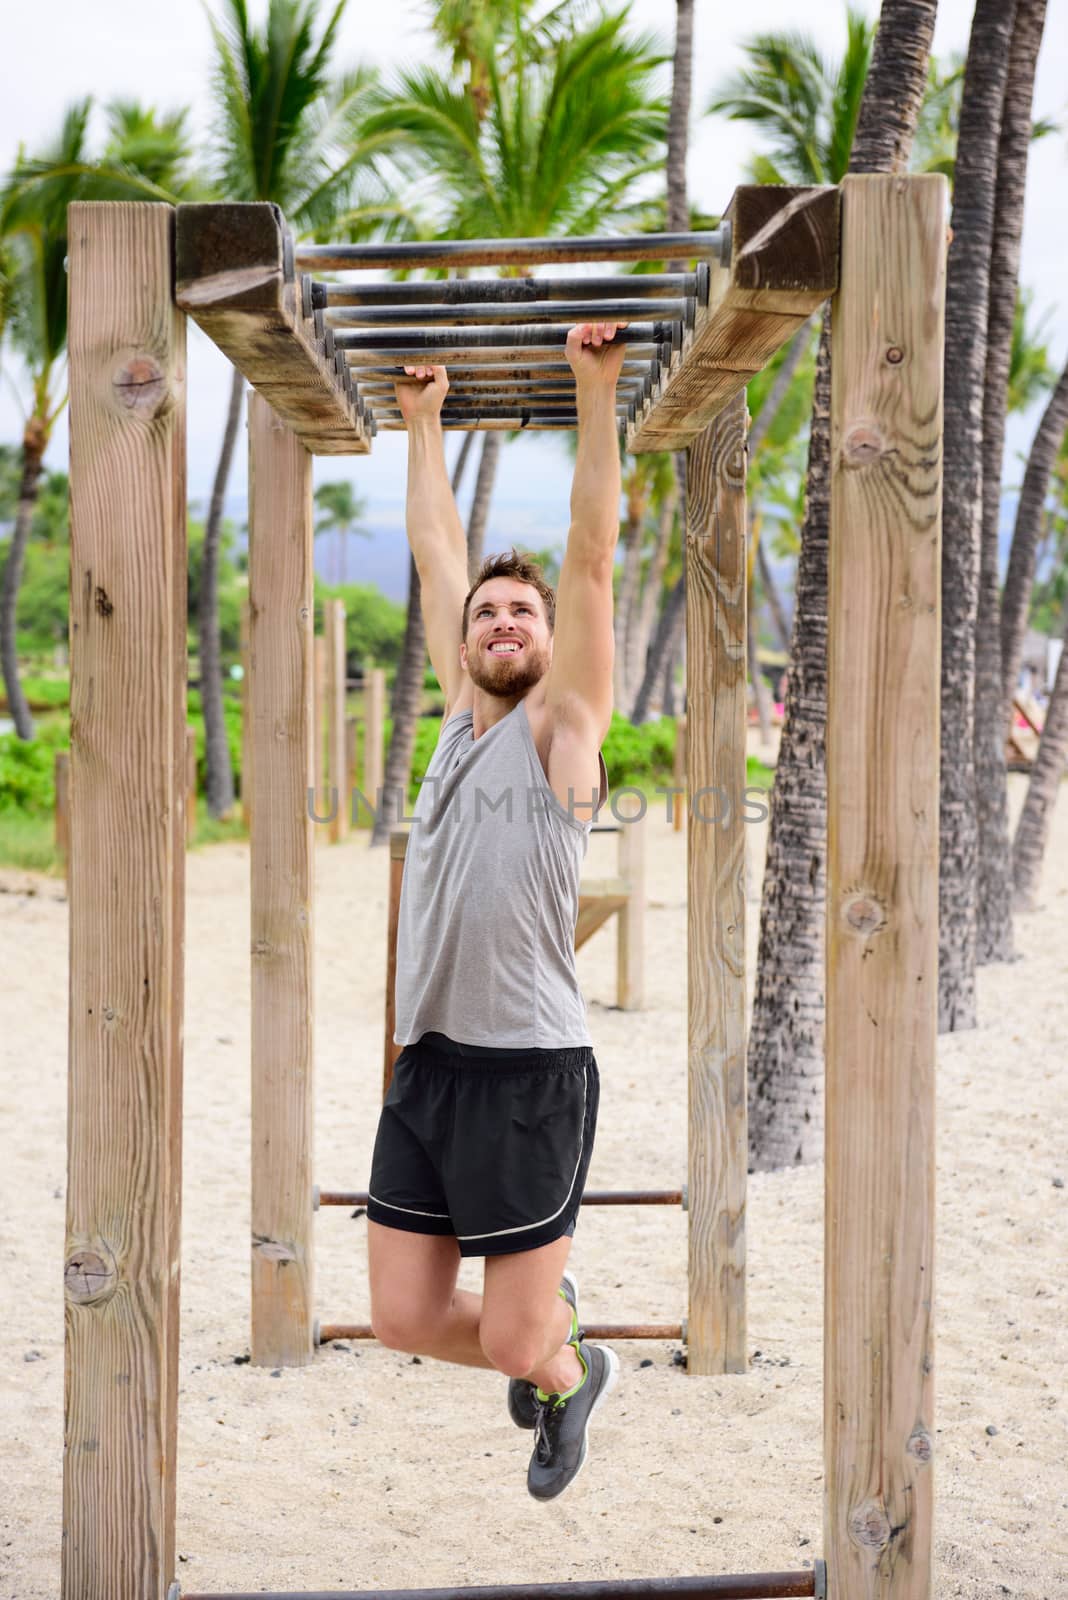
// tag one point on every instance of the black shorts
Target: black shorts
(489, 1146)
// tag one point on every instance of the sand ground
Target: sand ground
(368, 1470)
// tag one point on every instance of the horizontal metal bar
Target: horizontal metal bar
(512, 252)
(373, 388)
(507, 291)
(503, 425)
(592, 1330)
(592, 1197)
(473, 315)
(729, 1586)
(508, 337)
(489, 369)
(556, 410)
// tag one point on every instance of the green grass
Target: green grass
(29, 842)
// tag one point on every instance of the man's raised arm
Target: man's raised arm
(435, 532)
(579, 684)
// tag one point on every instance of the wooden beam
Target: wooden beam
(190, 783)
(246, 722)
(715, 781)
(280, 701)
(236, 279)
(630, 937)
(784, 263)
(599, 899)
(61, 772)
(336, 681)
(319, 723)
(398, 844)
(882, 886)
(127, 882)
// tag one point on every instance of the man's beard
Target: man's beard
(509, 676)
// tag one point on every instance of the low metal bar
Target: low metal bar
(510, 336)
(470, 316)
(592, 1197)
(503, 291)
(329, 1331)
(512, 252)
(730, 1586)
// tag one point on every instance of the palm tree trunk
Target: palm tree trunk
(785, 1048)
(1020, 577)
(676, 652)
(637, 645)
(219, 774)
(994, 940)
(779, 387)
(785, 1052)
(480, 505)
(674, 606)
(406, 699)
(678, 130)
(967, 301)
(761, 694)
(35, 438)
(624, 620)
(773, 597)
(1047, 775)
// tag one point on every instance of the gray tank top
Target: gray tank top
(486, 931)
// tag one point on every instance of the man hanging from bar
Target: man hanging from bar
(487, 1129)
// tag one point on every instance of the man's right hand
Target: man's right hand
(421, 399)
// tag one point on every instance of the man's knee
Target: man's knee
(514, 1348)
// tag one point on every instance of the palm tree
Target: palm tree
(967, 304)
(562, 147)
(1047, 775)
(994, 940)
(821, 121)
(33, 291)
(341, 509)
(285, 131)
(1030, 508)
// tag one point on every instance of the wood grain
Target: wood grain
(398, 844)
(784, 263)
(715, 780)
(127, 878)
(280, 702)
(233, 278)
(630, 934)
(882, 885)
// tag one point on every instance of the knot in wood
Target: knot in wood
(869, 1526)
(273, 1250)
(862, 444)
(920, 1445)
(88, 1277)
(864, 914)
(895, 355)
(141, 386)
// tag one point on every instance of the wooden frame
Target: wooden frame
(127, 859)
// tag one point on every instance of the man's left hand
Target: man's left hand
(594, 357)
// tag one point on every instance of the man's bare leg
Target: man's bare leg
(415, 1304)
(525, 1323)
(519, 1327)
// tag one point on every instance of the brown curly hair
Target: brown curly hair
(512, 565)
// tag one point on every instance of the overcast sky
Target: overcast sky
(57, 50)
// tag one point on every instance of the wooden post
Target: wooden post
(374, 724)
(62, 782)
(398, 844)
(246, 722)
(715, 780)
(630, 932)
(319, 719)
(127, 881)
(190, 783)
(280, 699)
(334, 631)
(882, 886)
(351, 745)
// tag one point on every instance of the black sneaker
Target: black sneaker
(560, 1443)
(522, 1402)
